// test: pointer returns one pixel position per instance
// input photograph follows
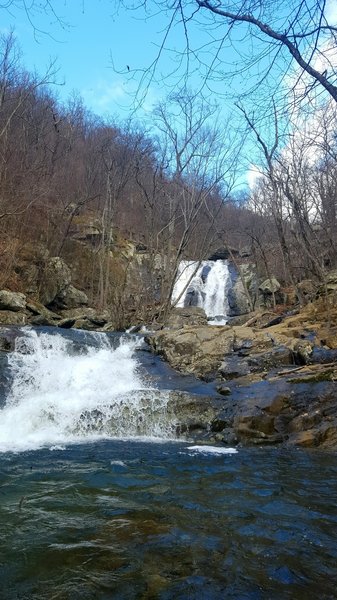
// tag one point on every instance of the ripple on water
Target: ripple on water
(138, 520)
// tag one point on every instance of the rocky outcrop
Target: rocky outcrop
(225, 352)
(242, 293)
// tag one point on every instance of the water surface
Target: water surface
(129, 519)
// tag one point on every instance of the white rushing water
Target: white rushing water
(62, 393)
(205, 286)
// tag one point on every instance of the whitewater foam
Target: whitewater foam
(63, 393)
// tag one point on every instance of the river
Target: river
(99, 500)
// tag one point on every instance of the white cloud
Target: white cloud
(106, 96)
(253, 175)
(331, 12)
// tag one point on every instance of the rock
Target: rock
(223, 390)
(55, 278)
(70, 297)
(66, 323)
(306, 289)
(238, 300)
(223, 253)
(83, 318)
(190, 315)
(8, 338)
(191, 412)
(37, 309)
(14, 301)
(307, 439)
(207, 350)
(269, 286)
(8, 317)
(40, 320)
(99, 318)
(330, 285)
(197, 350)
(302, 350)
(232, 367)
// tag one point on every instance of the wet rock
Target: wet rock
(223, 390)
(192, 413)
(307, 439)
(302, 351)
(8, 336)
(14, 301)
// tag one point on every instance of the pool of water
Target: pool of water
(130, 519)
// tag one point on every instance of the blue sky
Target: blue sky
(96, 34)
(84, 48)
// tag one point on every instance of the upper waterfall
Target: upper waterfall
(204, 284)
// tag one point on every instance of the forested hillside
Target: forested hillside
(122, 202)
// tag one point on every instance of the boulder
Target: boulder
(306, 290)
(70, 297)
(83, 318)
(197, 350)
(100, 318)
(9, 317)
(269, 286)
(14, 301)
(206, 350)
(190, 315)
(8, 337)
(55, 278)
(329, 286)
(38, 310)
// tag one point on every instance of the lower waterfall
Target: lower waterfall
(206, 285)
(63, 391)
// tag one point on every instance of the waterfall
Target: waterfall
(206, 286)
(62, 392)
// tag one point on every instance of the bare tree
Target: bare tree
(245, 45)
(201, 159)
